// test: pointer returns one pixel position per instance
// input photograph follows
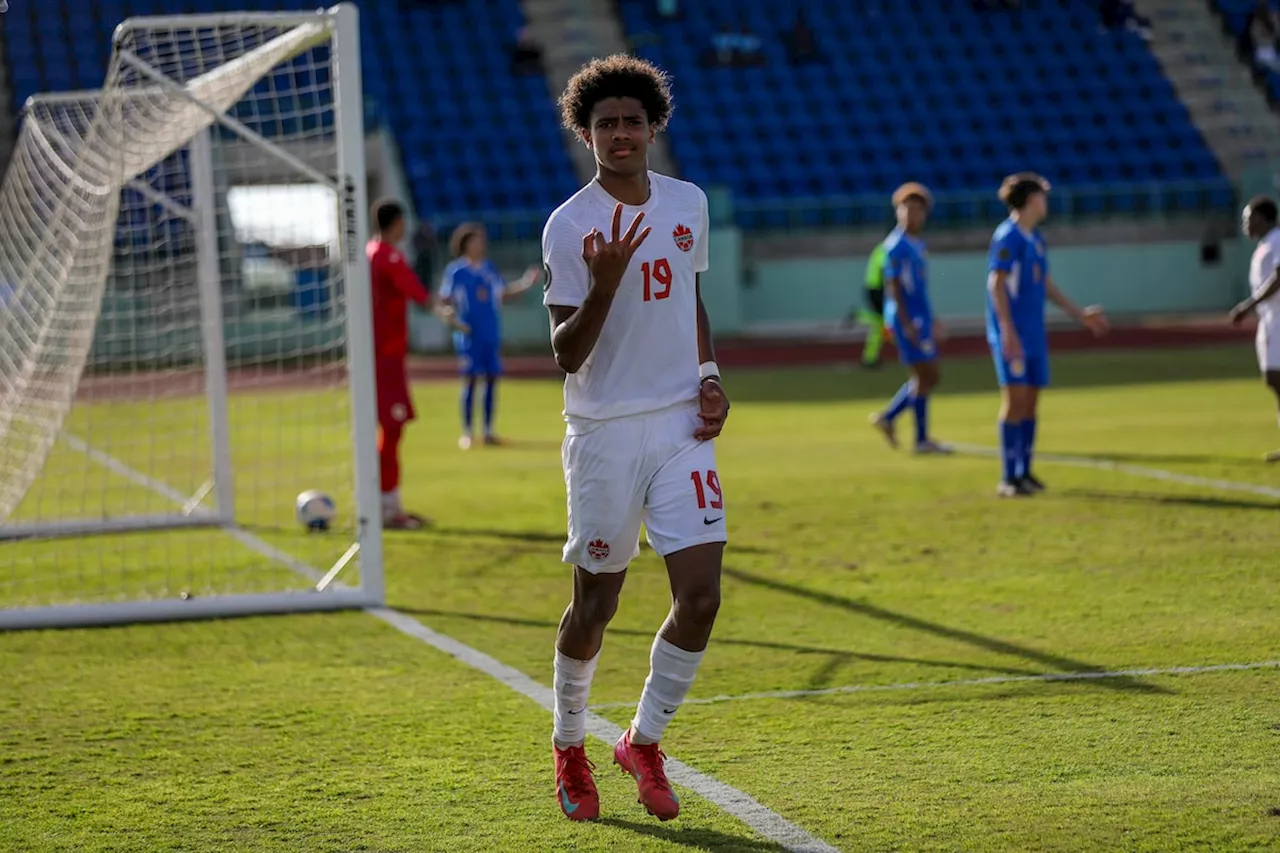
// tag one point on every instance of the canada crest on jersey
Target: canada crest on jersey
(683, 237)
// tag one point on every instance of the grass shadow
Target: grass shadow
(1155, 499)
(991, 644)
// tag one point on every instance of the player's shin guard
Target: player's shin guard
(572, 687)
(671, 673)
(899, 403)
(468, 403)
(921, 407)
(1028, 446)
(490, 393)
(1011, 449)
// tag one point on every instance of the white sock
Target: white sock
(572, 686)
(390, 503)
(671, 673)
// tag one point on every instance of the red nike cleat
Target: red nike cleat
(575, 785)
(645, 764)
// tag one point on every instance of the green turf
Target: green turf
(848, 565)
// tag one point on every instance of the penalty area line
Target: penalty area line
(966, 682)
(1132, 470)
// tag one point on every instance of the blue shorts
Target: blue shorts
(925, 349)
(477, 358)
(1031, 370)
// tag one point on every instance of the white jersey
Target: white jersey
(1266, 257)
(646, 358)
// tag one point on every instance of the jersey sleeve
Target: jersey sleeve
(499, 283)
(893, 262)
(1004, 251)
(567, 277)
(446, 282)
(392, 268)
(702, 252)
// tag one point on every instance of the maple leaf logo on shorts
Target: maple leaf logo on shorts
(598, 549)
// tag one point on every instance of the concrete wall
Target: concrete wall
(1141, 279)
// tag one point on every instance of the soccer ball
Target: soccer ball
(315, 510)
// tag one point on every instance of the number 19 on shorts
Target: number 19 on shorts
(706, 485)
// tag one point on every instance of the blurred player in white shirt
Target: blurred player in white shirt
(643, 403)
(1260, 223)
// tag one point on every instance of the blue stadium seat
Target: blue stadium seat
(972, 104)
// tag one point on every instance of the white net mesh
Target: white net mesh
(116, 442)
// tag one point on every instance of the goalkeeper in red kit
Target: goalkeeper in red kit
(394, 285)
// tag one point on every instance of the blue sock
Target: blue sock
(1010, 448)
(921, 406)
(490, 386)
(468, 401)
(899, 403)
(1028, 444)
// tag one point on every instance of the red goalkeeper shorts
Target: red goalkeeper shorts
(395, 403)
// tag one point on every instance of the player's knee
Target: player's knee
(594, 610)
(698, 607)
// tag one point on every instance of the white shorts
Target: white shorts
(648, 468)
(1268, 342)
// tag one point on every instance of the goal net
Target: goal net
(185, 330)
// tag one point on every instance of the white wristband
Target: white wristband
(707, 370)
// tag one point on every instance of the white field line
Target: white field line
(763, 820)
(965, 682)
(1133, 470)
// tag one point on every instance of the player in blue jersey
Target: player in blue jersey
(909, 314)
(1018, 287)
(475, 290)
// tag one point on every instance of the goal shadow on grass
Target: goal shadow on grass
(836, 657)
(1156, 499)
(992, 644)
(699, 838)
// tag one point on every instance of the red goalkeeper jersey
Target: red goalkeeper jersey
(394, 283)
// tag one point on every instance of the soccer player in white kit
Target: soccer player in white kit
(1260, 223)
(643, 403)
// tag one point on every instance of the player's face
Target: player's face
(1252, 223)
(477, 245)
(395, 233)
(1037, 207)
(620, 135)
(912, 215)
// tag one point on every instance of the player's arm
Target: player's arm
(893, 268)
(1091, 318)
(591, 280)
(523, 283)
(405, 280)
(445, 308)
(713, 403)
(1248, 306)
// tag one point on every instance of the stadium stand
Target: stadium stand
(439, 73)
(905, 90)
(1236, 16)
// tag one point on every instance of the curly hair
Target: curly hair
(617, 76)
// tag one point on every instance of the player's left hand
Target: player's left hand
(1241, 312)
(713, 408)
(1095, 321)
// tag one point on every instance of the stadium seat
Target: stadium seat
(437, 72)
(898, 94)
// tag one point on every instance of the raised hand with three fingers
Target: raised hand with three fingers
(608, 261)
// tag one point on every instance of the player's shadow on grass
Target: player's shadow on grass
(699, 838)
(1202, 501)
(836, 657)
(1056, 663)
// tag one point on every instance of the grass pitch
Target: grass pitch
(848, 566)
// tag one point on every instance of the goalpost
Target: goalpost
(186, 330)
